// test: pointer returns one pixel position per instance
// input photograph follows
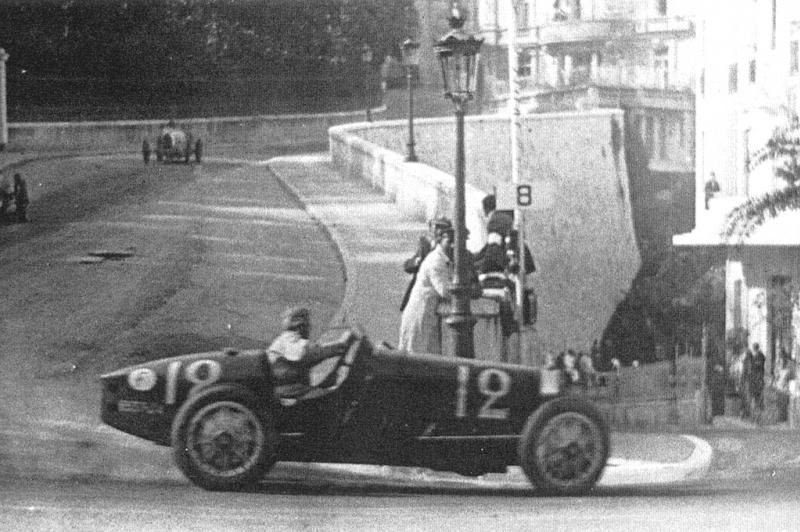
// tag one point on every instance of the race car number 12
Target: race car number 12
(493, 384)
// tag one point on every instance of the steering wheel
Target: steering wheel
(328, 369)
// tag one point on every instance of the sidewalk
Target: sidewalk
(374, 240)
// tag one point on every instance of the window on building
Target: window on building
(793, 57)
(682, 132)
(524, 60)
(661, 67)
(733, 78)
(566, 10)
(774, 23)
(663, 153)
(752, 71)
(523, 12)
(661, 7)
(649, 136)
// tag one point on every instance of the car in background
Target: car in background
(228, 421)
(175, 144)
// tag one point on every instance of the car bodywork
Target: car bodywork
(174, 144)
(370, 406)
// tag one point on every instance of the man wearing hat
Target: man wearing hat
(424, 246)
(292, 354)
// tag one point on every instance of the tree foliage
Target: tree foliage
(190, 38)
(783, 150)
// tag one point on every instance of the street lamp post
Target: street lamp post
(3, 114)
(366, 61)
(458, 54)
(410, 51)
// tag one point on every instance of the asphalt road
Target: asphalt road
(124, 263)
(760, 504)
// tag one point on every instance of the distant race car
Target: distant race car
(228, 423)
(174, 144)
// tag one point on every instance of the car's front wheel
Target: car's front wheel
(564, 446)
(224, 439)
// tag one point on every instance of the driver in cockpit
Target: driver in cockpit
(292, 354)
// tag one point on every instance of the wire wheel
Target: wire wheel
(567, 448)
(224, 439)
(564, 446)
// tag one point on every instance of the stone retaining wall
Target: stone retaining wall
(583, 242)
(265, 131)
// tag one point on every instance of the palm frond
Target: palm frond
(744, 219)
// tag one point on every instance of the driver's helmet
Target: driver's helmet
(295, 318)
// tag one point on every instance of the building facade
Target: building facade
(748, 85)
(634, 54)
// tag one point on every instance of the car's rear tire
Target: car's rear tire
(564, 446)
(224, 438)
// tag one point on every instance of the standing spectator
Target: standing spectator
(745, 386)
(570, 366)
(21, 198)
(6, 194)
(757, 376)
(420, 326)
(594, 353)
(785, 372)
(492, 257)
(424, 246)
(712, 187)
(586, 369)
(198, 151)
(496, 222)
(146, 151)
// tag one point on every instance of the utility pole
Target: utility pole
(516, 159)
(3, 114)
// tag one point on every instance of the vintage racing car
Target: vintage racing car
(174, 144)
(228, 423)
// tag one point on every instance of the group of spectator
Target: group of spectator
(16, 192)
(431, 270)
(578, 366)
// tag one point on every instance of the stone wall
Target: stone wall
(266, 131)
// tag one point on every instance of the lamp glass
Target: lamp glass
(458, 54)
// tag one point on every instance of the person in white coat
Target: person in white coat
(420, 326)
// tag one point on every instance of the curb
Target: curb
(340, 317)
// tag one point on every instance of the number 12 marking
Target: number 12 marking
(493, 384)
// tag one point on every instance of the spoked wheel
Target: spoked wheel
(564, 446)
(223, 439)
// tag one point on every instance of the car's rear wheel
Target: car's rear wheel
(224, 439)
(564, 446)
